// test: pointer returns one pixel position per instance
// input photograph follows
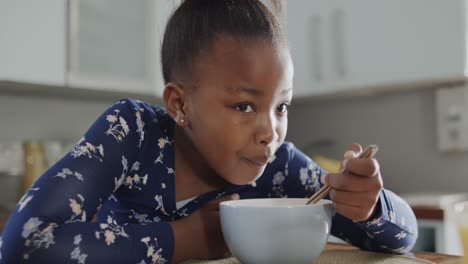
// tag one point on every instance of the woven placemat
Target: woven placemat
(338, 256)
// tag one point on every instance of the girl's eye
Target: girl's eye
(245, 108)
(282, 108)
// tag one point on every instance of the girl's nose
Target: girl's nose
(266, 129)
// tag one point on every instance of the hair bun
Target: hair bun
(195, 24)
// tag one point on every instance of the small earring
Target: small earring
(182, 120)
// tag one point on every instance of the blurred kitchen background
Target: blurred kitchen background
(387, 72)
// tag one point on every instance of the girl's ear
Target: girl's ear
(174, 99)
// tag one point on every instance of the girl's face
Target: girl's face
(238, 109)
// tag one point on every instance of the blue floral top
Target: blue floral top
(122, 171)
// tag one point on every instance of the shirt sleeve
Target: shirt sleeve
(52, 223)
(393, 228)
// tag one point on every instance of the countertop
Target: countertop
(429, 256)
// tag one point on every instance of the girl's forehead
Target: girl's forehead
(242, 54)
(253, 65)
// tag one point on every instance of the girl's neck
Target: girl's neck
(193, 175)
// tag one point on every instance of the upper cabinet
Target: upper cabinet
(33, 41)
(112, 44)
(105, 45)
(338, 46)
(345, 46)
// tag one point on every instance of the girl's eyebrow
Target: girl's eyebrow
(252, 91)
(245, 89)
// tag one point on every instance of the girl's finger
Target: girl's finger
(363, 167)
(356, 214)
(363, 200)
(353, 151)
(354, 183)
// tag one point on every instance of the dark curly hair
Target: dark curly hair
(195, 24)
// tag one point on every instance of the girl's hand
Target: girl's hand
(355, 191)
(199, 235)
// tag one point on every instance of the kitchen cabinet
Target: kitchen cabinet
(341, 46)
(437, 225)
(307, 39)
(114, 45)
(33, 41)
(109, 45)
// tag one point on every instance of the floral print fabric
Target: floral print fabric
(111, 198)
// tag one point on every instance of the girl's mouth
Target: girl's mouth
(258, 161)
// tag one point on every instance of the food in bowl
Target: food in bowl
(276, 230)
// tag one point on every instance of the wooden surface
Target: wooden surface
(428, 213)
(429, 256)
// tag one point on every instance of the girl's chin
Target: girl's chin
(244, 181)
(243, 175)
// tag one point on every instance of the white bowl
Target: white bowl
(277, 230)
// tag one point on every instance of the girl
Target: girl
(153, 177)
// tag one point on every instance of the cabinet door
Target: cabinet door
(308, 37)
(114, 45)
(385, 42)
(341, 46)
(33, 41)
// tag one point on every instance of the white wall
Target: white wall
(402, 124)
(24, 118)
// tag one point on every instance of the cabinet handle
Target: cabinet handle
(338, 43)
(72, 47)
(315, 50)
